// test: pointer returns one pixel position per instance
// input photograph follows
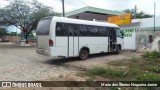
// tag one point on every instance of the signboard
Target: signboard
(129, 32)
(121, 19)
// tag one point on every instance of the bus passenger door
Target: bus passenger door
(112, 40)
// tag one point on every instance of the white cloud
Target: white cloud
(142, 5)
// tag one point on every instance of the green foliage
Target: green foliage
(25, 14)
(3, 31)
(114, 88)
(107, 72)
(152, 56)
(142, 69)
(149, 77)
(97, 71)
(91, 78)
(81, 89)
(134, 71)
(155, 69)
(118, 63)
(140, 14)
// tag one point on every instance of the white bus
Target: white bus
(65, 37)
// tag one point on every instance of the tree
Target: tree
(25, 15)
(3, 31)
(140, 14)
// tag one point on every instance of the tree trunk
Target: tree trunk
(26, 39)
(25, 36)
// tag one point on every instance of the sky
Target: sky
(70, 5)
(142, 5)
(13, 29)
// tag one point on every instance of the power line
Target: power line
(83, 3)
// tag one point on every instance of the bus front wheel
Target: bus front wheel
(83, 54)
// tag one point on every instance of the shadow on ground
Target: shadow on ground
(74, 59)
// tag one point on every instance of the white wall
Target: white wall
(130, 42)
(130, 35)
(149, 22)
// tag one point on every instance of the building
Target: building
(92, 13)
(139, 35)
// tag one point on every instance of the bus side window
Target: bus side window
(89, 28)
(64, 29)
(102, 31)
(94, 30)
(70, 29)
(83, 30)
(107, 31)
(61, 29)
(75, 30)
(58, 29)
(80, 30)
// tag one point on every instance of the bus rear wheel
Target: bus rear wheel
(83, 54)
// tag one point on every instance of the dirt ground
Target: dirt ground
(23, 63)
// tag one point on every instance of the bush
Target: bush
(107, 72)
(152, 56)
(97, 71)
(149, 77)
(155, 69)
(115, 73)
(3, 31)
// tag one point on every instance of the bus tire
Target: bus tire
(117, 49)
(83, 54)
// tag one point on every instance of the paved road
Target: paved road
(23, 63)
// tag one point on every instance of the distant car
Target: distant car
(4, 40)
(29, 40)
(33, 41)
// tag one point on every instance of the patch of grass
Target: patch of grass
(133, 72)
(141, 69)
(91, 78)
(114, 73)
(149, 77)
(81, 89)
(107, 72)
(118, 63)
(134, 60)
(155, 69)
(97, 71)
(152, 56)
(114, 88)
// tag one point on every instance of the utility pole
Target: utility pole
(63, 8)
(135, 11)
(154, 16)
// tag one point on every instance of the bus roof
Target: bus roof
(78, 21)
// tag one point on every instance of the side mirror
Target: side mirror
(122, 34)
